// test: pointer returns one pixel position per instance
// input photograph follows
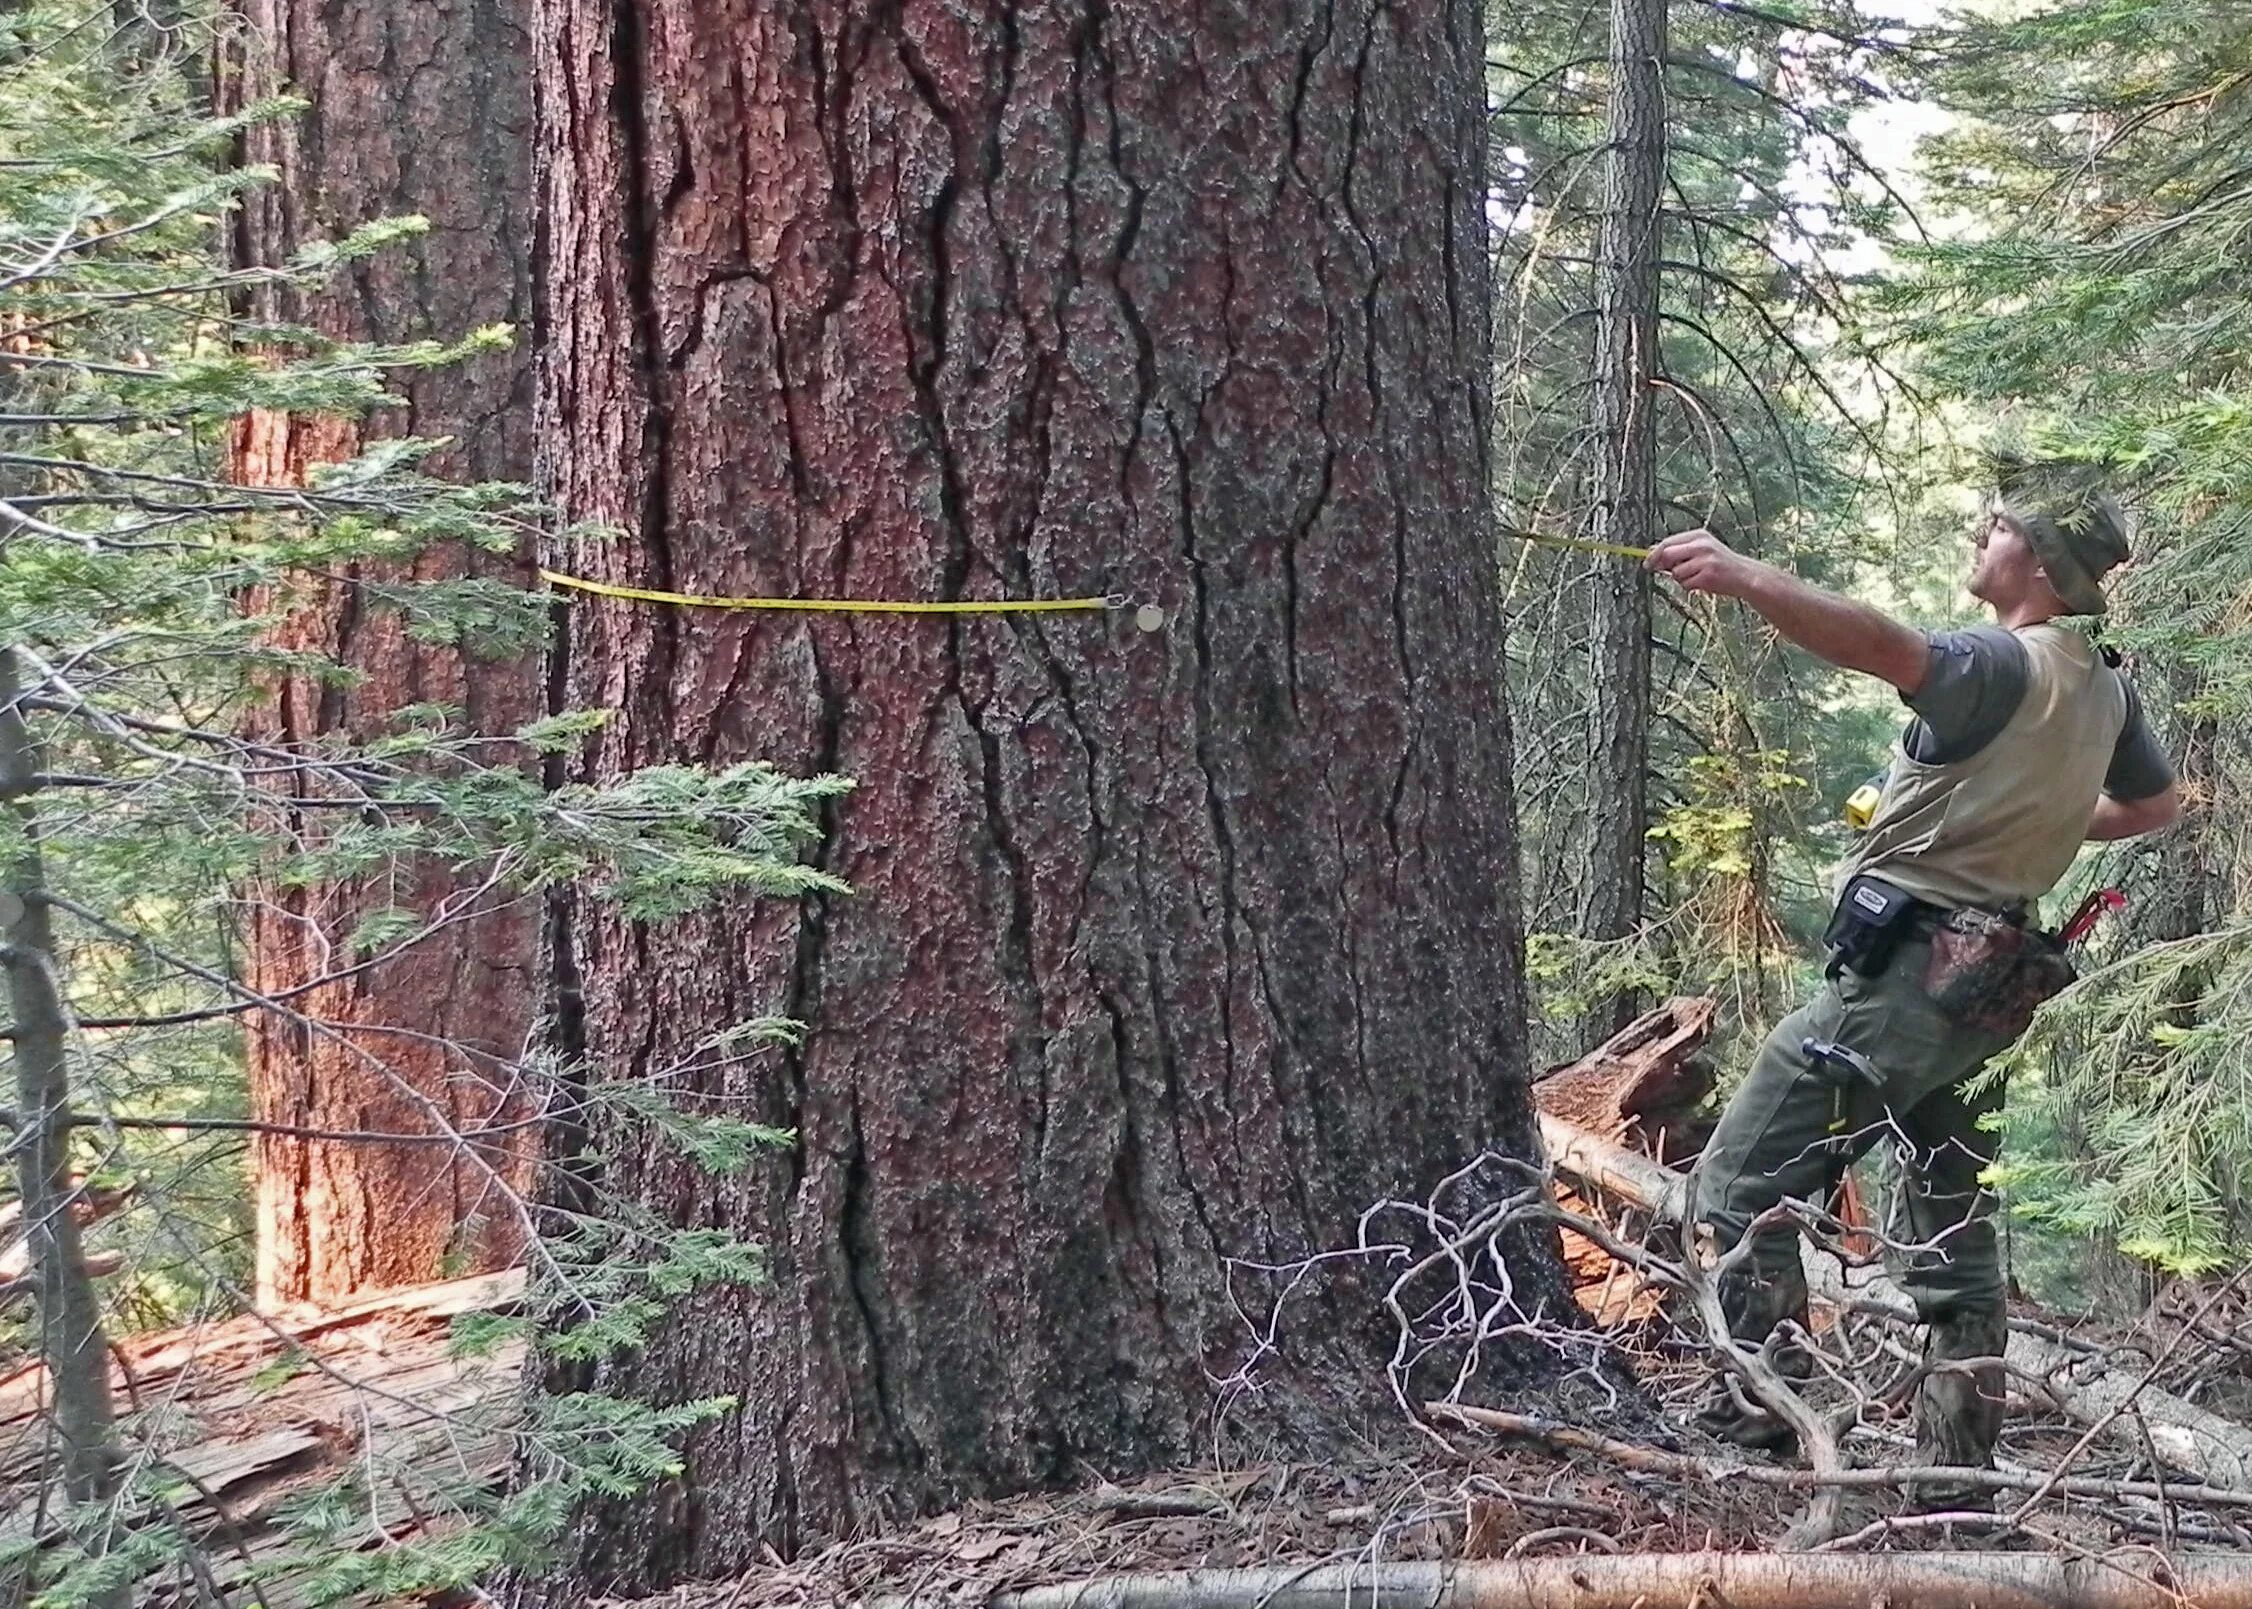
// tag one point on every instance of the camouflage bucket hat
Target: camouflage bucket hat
(2076, 527)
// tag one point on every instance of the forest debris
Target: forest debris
(2084, 1385)
(1177, 1503)
(1642, 1460)
(151, 1360)
(98, 1265)
(1605, 1165)
(1639, 1088)
(88, 1206)
(258, 1409)
(1642, 1083)
(1685, 1581)
(220, 1466)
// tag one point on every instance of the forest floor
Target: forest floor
(1595, 1471)
(1490, 1499)
(246, 1417)
(256, 1413)
(1497, 1503)
(259, 1413)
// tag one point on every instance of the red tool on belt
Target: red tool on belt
(2092, 910)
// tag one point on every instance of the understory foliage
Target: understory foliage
(1775, 428)
(2066, 271)
(2101, 304)
(138, 592)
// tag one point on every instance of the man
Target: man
(2026, 742)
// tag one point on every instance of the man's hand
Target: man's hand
(1702, 562)
(1840, 630)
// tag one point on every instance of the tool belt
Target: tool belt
(1872, 921)
(1988, 970)
(1991, 974)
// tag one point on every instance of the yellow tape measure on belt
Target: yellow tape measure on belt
(965, 606)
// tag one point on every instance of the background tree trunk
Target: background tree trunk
(416, 108)
(2181, 878)
(1626, 485)
(1163, 949)
(70, 1333)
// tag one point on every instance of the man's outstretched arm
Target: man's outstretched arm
(1845, 633)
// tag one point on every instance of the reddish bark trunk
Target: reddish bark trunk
(416, 108)
(1163, 949)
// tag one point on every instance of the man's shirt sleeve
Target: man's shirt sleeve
(1973, 684)
(2139, 767)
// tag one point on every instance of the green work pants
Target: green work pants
(1792, 1129)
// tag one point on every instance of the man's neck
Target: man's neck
(2032, 612)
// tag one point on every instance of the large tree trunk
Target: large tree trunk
(1163, 948)
(1626, 488)
(416, 108)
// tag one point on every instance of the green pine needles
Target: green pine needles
(2130, 1115)
(143, 600)
(2099, 304)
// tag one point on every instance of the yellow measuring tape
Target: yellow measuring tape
(967, 606)
(1578, 544)
(979, 606)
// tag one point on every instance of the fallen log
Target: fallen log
(1644, 1082)
(87, 1207)
(1641, 1089)
(1641, 1460)
(1612, 1168)
(1683, 1581)
(2193, 1440)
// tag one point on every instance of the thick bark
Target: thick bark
(1626, 487)
(1163, 948)
(416, 109)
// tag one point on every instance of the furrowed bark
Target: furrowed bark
(1163, 948)
(415, 109)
